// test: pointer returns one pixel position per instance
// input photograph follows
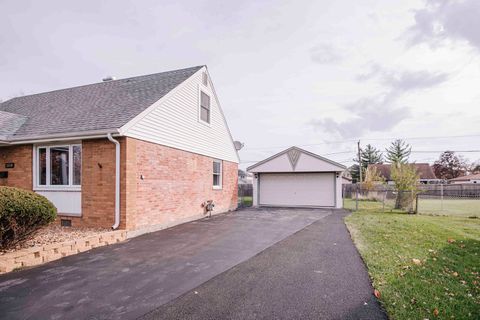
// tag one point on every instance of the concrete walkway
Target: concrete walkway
(127, 280)
(315, 273)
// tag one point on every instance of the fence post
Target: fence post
(384, 196)
(416, 204)
(356, 198)
(441, 197)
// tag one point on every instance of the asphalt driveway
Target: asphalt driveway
(128, 280)
(315, 273)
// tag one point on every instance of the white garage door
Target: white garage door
(297, 189)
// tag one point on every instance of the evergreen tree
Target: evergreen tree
(354, 173)
(369, 155)
(398, 152)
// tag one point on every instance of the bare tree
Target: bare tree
(449, 166)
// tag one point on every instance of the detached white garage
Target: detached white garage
(297, 178)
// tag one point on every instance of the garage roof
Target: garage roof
(295, 159)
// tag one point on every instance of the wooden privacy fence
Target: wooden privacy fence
(245, 190)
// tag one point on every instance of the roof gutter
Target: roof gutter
(117, 181)
(80, 135)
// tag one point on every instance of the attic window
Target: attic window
(204, 107)
(205, 79)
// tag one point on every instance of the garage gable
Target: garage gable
(295, 159)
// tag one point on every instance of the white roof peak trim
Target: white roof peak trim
(209, 79)
(300, 151)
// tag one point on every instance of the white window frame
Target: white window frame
(205, 90)
(36, 172)
(220, 180)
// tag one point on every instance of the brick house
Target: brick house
(140, 153)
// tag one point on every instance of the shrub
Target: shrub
(22, 213)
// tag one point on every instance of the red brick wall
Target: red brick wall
(128, 186)
(176, 183)
(21, 175)
(98, 184)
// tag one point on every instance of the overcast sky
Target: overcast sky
(318, 74)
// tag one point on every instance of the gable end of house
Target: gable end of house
(175, 121)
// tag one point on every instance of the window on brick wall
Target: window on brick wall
(217, 174)
(59, 166)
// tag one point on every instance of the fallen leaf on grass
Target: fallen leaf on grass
(376, 293)
(435, 312)
(455, 274)
(450, 240)
(417, 261)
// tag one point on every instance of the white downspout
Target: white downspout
(117, 181)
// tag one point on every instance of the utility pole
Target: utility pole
(359, 161)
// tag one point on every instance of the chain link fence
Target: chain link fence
(383, 200)
(462, 206)
(454, 200)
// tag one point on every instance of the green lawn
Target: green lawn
(246, 201)
(421, 265)
(460, 207)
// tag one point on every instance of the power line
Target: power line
(436, 151)
(350, 151)
(426, 137)
(369, 139)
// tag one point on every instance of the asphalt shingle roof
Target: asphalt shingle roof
(424, 170)
(104, 105)
(467, 178)
(10, 122)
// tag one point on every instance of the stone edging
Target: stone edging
(38, 255)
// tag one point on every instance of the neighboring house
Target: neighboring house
(297, 178)
(244, 177)
(346, 177)
(472, 178)
(140, 153)
(425, 171)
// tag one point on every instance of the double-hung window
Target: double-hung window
(204, 107)
(59, 166)
(217, 174)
